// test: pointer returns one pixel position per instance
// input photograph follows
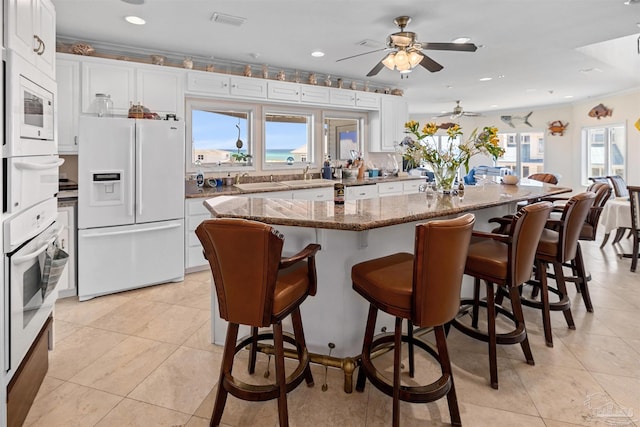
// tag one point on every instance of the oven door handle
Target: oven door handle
(39, 166)
(28, 257)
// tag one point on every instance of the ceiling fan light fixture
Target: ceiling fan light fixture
(405, 66)
(401, 59)
(415, 58)
(389, 62)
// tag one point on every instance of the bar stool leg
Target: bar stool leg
(544, 297)
(366, 345)
(253, 350)
(476, 302)
(227, 364)
(516, 308)
(582, 281)
(302, 344)
(397, 354)
(562, 289)
(281, 379)
(445, 362)
(491, 329)
(410, 348)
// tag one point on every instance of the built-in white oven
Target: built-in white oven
(30, 98)
(30, 180)
(30, 241)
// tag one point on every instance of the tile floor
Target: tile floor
(143, 358)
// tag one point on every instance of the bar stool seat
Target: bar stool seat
(423, 288)
(255, 286)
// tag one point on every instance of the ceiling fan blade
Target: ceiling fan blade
(361, 54)
(429, 64)
(375, 70)
(460, 47)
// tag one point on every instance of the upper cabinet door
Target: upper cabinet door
(283, 91)
(368, 100)
(109, 78)
(342, 97)
(209, 83)
(31, 32)
(161, 91)
(247, 86)
(314, 94)
(68, 80)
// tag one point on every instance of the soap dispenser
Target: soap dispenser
(199, 175)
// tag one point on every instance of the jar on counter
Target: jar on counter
(103, 105)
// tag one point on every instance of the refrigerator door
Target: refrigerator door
(159, 170)
(106, 172)
(115, 259)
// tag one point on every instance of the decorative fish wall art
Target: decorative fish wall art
(511, 119)
(557, 127)
(637, 124)
(446, 125)
(600, 111)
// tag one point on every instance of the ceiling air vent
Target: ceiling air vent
(222, 18)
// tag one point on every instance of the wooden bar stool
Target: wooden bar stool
(505, 260)
(423, 288)
(256, 287)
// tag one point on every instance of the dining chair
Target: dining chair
(634, 199)
(256, 287)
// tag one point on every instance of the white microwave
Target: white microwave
(30, 103)
(36, 111)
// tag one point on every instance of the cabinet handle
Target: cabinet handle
(41, 46)
(75, 140)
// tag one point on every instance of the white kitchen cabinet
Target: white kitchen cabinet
(271, 195)
(111, 78)
(160, 89)
(68, 79)
(389, 188)
(31, 32)
(360, 192)
(390, 121)
(412, 186)
(314, 94)
(196, 213)
(283, 91)
(248, 87)
(368, 100)
(342, 97)
(67, 283)
(207, 83)
(318, 194)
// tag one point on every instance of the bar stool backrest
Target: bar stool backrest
(440, 254)
(525, 230)
(244, 257)
(573, 217)
(603, 193)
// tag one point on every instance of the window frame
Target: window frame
(520, 140)
(607, 166)
(268, 109)
(215, 105)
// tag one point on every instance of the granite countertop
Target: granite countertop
(192, 191)
(67, 198)
(358, 215)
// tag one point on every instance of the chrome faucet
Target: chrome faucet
(238, 176)
(305, 173)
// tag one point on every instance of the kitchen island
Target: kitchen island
(354, 232)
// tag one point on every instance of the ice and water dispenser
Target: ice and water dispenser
(107, 188)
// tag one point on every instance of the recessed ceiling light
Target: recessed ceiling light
(485, 79)
(462, 40)
(317, 54)
(628, 2)
(135, 20)
(494, 106)
(568, 96)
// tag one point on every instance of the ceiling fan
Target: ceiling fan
(458, 112)
(407, 51)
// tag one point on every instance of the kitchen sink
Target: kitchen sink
(300, 183)
(256, 186)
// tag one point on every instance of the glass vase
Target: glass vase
(445, 176)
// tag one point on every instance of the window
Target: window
(605, 151)
(220, 135)
(524, 152)
(288, 138)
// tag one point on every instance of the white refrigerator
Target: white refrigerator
(130, 204)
